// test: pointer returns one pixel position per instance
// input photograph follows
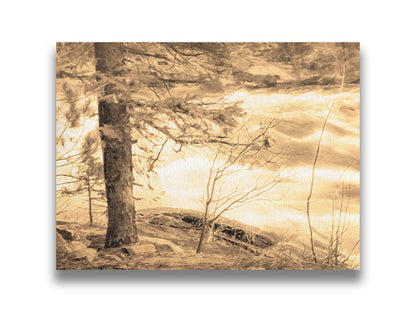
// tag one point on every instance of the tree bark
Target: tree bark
(205, 226)
(202, 237)
(117, 152)
(89, 200)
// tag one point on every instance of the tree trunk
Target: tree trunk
(205, 226)
(89, 200)
(117, 155)
(202, 237)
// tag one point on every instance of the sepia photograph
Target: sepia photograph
(207, 156)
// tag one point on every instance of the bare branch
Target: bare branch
(154, 160)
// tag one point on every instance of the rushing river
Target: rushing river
(183, 176)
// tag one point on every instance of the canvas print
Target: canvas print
(207, 156)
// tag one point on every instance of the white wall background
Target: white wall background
(29, 30)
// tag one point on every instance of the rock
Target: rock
(88, 254)
(79, 251)
(163, 248)
(68, 235)
(119, 252)
(110, 257)
(139, 249)
(62, 246)
(77, 245)
(163, 244)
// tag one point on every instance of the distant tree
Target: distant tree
(71, 115)
(88, 178)
(320, 63)
(312, 185)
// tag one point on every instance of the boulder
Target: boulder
(62, 246)
(161, 244)
(68, 235)
(139, 249)
(77, 245)
(88, 254)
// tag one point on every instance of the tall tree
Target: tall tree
(117, 150)
(152, 92)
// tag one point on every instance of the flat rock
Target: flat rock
(163, 244)
(88, 254)
(140, 249)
